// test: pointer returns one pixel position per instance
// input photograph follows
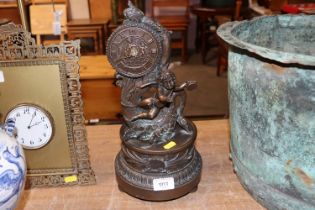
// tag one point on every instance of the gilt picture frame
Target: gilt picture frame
(48, 77)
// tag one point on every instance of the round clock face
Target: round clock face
(34, 125)
(133, 51)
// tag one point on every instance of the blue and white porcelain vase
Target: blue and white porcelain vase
(12, 168)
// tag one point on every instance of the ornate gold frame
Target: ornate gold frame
(18, 48)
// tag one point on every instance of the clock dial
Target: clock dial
(34, 125)
(133, 51)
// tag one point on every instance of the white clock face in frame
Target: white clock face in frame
(34, 125)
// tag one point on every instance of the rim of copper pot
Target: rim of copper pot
(226, 32)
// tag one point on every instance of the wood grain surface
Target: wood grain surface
(101, 98)
(219, 188)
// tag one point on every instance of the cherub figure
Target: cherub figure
(166, 94)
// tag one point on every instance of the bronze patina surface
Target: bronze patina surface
(272, 106)
(157, 141)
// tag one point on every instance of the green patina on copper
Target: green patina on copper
(272, 106)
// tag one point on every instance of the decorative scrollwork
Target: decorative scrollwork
(146, 163)
(145, 180)
(16, 44)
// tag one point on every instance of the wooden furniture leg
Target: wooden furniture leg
(38, 41)
(184, 44)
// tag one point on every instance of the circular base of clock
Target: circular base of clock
(143, 185)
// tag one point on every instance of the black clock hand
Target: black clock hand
(33, 115)
(37, 123)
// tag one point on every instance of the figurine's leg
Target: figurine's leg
(139, 116)
(180, 109)
(183, 123)
(146, 115)
(182, 102)
(147, 102)
(127, 121)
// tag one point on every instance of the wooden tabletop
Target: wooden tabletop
(219, 188)
(95, 67)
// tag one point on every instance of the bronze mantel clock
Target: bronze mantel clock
(158, 160)
(40, 90)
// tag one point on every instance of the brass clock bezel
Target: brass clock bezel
(50, 118)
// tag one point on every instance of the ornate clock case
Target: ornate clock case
(40, 89)
(158, 160)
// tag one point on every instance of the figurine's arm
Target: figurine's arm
(147, 84)
(164, 99)
(174, 64)
(188, 84)
(165, 96)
